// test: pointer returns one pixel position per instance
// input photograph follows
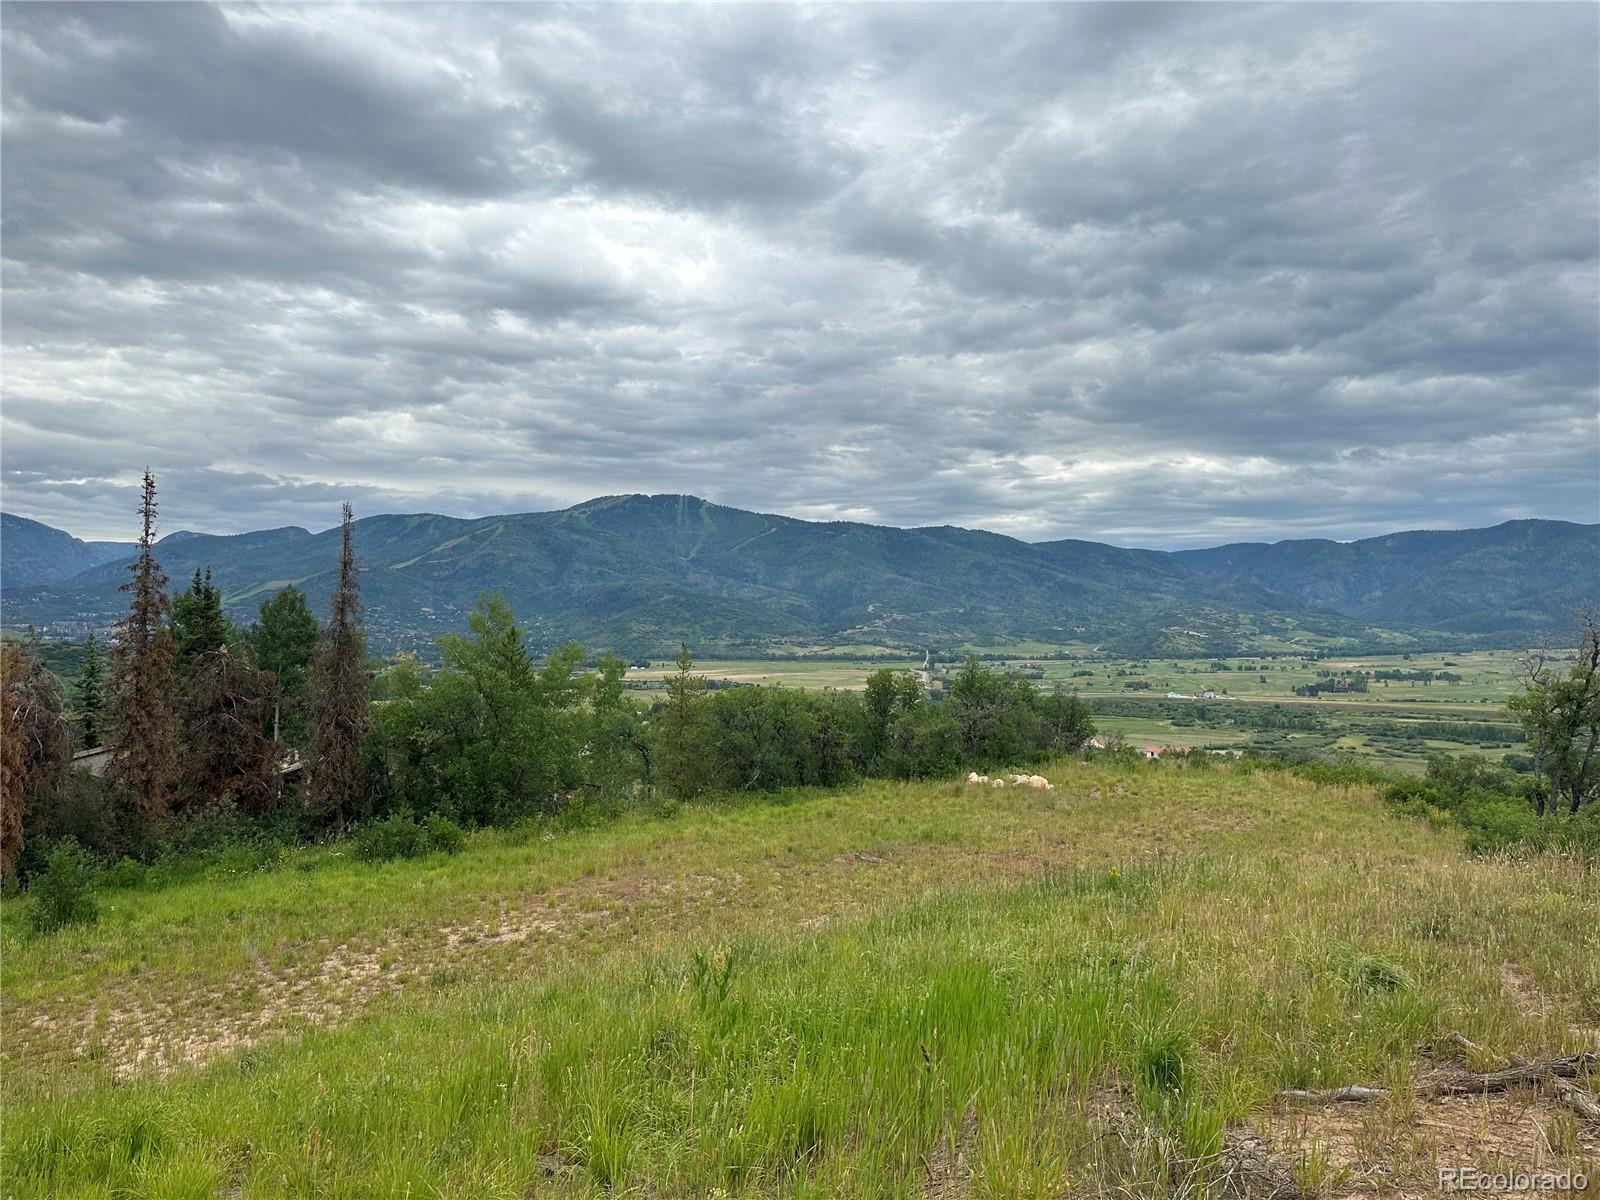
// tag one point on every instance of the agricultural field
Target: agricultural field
(844, 673)
(1396, 722)
(886, 990)
(1488, 676)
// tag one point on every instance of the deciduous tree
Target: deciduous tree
(1561, 713)
(501, 737)
(619, 751)
(1068, 725)
(889, 696)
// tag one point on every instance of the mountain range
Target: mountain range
(642, 573)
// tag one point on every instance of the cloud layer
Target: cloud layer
(1145, 274)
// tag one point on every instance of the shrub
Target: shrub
(1493, 809)
(401, 837)
(395, 837)
(63, 894)
(124, 873)
(584, 812)
(88, 811)
(202, 832)
(666, 807)
(1493, 825)
(1578, 834)
(243, 859)
(444, 835)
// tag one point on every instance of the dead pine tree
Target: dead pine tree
(35, 742)
(225, 702)
(144, 725)
(338, 723)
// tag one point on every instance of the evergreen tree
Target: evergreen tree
(198, 623)
(91, 699)
(144, 744)
(495, 658)
(680, 770)
(35, 742)
(285, 643)
(337, 782)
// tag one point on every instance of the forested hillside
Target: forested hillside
(643, 573)
(33, 553)
(1514, 577)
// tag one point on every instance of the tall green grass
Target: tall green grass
(830, 1066)
(1180, 950)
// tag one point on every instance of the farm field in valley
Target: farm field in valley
(1395, 723)
(883, 990)
(1488, 676)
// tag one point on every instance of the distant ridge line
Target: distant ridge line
(647, 572)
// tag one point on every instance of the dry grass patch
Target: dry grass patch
(1396, 1149)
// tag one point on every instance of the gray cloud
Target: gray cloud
(1154, 274)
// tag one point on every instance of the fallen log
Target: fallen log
(1460, 1082)
(1576, 1097)
(1334, 1095)
(1554, 1075)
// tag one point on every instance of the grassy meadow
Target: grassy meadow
(904, 990)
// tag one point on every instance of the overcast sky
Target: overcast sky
(1152, 275)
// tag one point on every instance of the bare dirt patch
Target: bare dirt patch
(1519, 983)
(1523, 989)
(948, 1167)
(330, 984)
(1396, 1149)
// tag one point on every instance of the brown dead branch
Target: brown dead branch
(1249, 1169)
(1554, 1075)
